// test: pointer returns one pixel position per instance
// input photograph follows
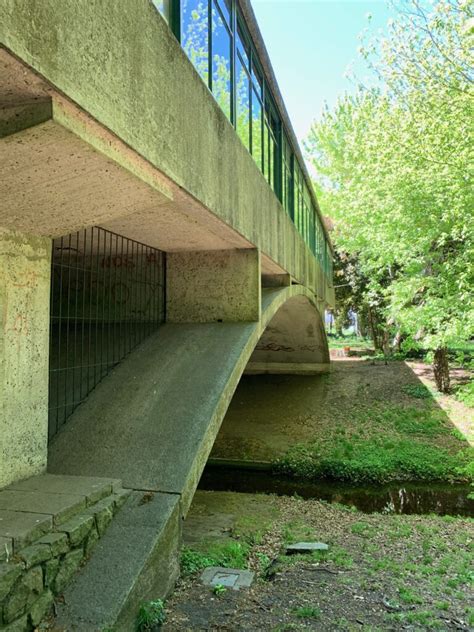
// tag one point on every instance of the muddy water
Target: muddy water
(395, 498)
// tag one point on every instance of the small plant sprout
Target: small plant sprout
(219, 589)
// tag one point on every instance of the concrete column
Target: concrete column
(25, 271)
(213, 286)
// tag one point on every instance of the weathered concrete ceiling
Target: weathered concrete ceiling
(54, 183)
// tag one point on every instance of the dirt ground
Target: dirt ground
(269, 414)
(380, 573)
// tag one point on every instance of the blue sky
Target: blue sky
(311, 44)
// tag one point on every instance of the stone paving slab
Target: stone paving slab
(93, 488)
(233, 578)
(60, 506)
(23, 527)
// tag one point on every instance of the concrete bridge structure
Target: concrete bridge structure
(209, 257)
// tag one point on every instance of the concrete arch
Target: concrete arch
(153, 420)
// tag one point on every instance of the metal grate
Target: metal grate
(107, 295)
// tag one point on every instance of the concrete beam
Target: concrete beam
(25, 270)
(286, 368)
(216, 286)
(21, 115)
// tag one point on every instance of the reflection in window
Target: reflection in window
(243, 103)
(221, 61)
(257, 128)
(286, 176)
(225, 7)
(194, 34)
(163, 7)
(242, 48)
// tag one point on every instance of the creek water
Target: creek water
(393, 498)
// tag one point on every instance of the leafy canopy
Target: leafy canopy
(394, 166)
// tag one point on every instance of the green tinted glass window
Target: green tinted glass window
(194, 34)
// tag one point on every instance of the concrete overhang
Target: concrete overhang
(62, 171)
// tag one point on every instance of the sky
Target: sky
(311, 44)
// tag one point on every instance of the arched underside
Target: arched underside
(293, 342)
(153, 420)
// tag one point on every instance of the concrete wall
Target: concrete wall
(120, 62)
(25, 269)
(204, 287)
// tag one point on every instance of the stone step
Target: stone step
(136, 560)
(48, 527)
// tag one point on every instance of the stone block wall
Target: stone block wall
(35, 575)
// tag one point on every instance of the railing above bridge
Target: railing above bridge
(215, 37)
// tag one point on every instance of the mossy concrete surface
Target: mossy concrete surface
(25, 269)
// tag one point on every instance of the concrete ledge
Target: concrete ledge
(15, 117)
(286, 368)
(135, 561)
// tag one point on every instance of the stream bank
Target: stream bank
(382, 572)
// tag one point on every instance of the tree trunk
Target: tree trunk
(441, 369)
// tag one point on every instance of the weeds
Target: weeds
(150, 615)
(307, 612)
(227, 554)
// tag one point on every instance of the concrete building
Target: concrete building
(159, 236)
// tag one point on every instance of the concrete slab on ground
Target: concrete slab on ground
(234, 578)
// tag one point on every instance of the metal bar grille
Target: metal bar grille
(107, 296)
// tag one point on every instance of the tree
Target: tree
(395, 164)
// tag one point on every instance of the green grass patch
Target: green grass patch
(465, 394)
(151, 615)
(227, 554)
(419, 391)
(307, 612)
(374, 460)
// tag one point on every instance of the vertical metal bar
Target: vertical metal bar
(109, 308)
(127, 304)
(66, 374)
(209, 43)
(122, 265)
(52, 350)
(83, 309)
(60, 323)
(76, 275)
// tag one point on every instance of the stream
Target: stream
(392, 498)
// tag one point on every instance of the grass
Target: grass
(307, 612)
(419, 391)
(375, 460)
(383, 443)
(150, 615)
(227, 554)
(465, 394)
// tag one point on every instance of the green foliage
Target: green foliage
(394, 171)
(374, 460)
(150, 615)
(408, 596)
(417, 390)
(219, 589)
(363, 529)
(465, 394)
(227, 554)
(307, 612)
